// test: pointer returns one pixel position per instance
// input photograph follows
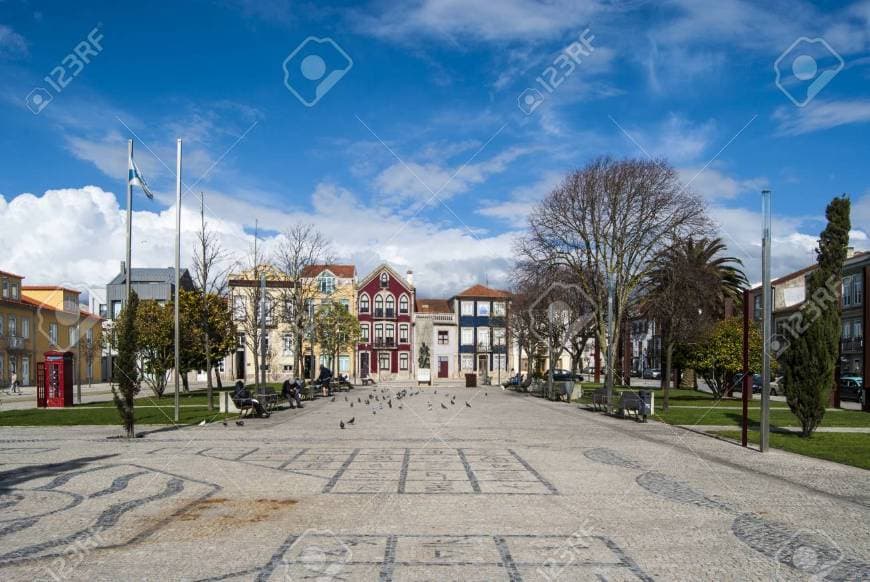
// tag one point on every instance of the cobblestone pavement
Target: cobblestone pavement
(508, 488)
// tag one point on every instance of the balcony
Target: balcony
(385, 342)
(385, 313)
(483, 346)
(16, 343)
(852, 345)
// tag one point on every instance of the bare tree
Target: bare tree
(210, 270)
(605, 223)
(301, 248)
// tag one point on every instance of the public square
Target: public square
(508, 488)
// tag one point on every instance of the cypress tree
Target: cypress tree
(126, 369)
(809, 362)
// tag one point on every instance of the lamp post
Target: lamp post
(767, 315)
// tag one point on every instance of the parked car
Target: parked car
(852, 388)
(756, 384)
(652, 374)
(562, 375)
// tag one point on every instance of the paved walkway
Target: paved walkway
(511, 488)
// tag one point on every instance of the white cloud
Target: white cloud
(481, 20)
(12, 44)
(820, 115)
(516, 208)
(712, 184)
(88, 236)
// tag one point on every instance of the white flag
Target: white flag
(136, 179)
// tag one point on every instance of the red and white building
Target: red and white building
(385, 303)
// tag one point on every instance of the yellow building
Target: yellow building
(17, 346)
(60, 324)
(330, 283)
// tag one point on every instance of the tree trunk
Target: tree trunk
(208, 384)
(666, 375)
(184, 383)
(217, 378)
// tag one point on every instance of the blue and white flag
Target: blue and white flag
(136, 179)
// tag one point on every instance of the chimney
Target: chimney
(410, 277)
(123, 266)
(850, 252)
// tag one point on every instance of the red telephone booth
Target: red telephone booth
(54, 382)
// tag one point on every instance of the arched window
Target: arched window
(390, 334)
(391, 306)
(403, 333)
(379, 306)
(364, 304)
(385, 280)
(403, 304)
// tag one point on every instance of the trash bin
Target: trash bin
(645, 407)
(471, 380)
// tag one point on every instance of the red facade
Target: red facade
(385, 303)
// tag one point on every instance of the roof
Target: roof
(485, 292)
(149, 275)
(341, 271)
(855, 258)
(433, 306)
(49, 288)
(47, 307)
(8, 274)
(385, 267)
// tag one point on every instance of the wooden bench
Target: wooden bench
(229, 404)
(368, 381)
(267, 397)
(631, 402)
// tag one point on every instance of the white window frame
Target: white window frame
(287, 344)
(466, 361)
(404, 333)
(52, 333)
(466, 336)
(466, 308)
(483, 309)
(484, 338)
(364, 333)
(404, 304)
(364, 303)
(404, 361)
(499, 309)
(238, 307)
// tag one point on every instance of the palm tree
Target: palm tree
(689, 288)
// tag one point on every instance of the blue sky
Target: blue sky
(429, 104)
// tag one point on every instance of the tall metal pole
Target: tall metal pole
(262, 362)
(608, 379)
(767, 316)
(177, 269)
(129, 257)
(746, 381)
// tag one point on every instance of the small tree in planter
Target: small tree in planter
(719, 354)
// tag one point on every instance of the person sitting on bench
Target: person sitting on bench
(291, 391)
(243, 397)
(324, 379)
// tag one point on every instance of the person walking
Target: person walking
(13, 383)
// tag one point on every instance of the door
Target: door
(307, 366)
(364, 365)
(482, 367)
(25, 371)
(240, 365)
(442, 367)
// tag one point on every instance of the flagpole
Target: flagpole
(129, 261)
(177, 267)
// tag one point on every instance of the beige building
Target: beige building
(336, 284)
(17, 346)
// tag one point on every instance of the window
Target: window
(856, 329)
(104, 312)
(89, 337)
(287, 344)
(364, 333)
(327, 284)
(364, 304)
(466, 307)
(379, 306)
(13, 326)
(385, 280)
(391, 305)
(344, 364)
(5, 288)
(345, 303)
(14, 290)
(390, 333)
(467, 362)
(466, 337)
(403, 334)
(238, 307)
(379, 331)
(443, 337)
(309, 307)
(498, 309)
(858, 288)
(498, 336)
(25, 328)
(847, 330)
(483, 338)
(116, 309)
(499, 361)
(240, 342)
(269, 310)
(2, 329)
(483, 308)
(52, 333)
(73, 337)
(287, 367)
(403, 304)
(847, 291)
(403, 361)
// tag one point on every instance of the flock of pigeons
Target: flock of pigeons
(376, 400)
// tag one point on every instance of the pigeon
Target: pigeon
(358, 399)
(333, 399)
(202, 423)
(374, 411)
(436, 392)
(352, 419)
(485, 394)
(240, 423)
(224, 423)
(443, 406)
(467, 404)
(351, 404)
(389, 403)
(345, 398)
(400, 407)
(341, 424)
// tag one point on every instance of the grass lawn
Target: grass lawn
(728, 412)
(148, 411)
(847, 448)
